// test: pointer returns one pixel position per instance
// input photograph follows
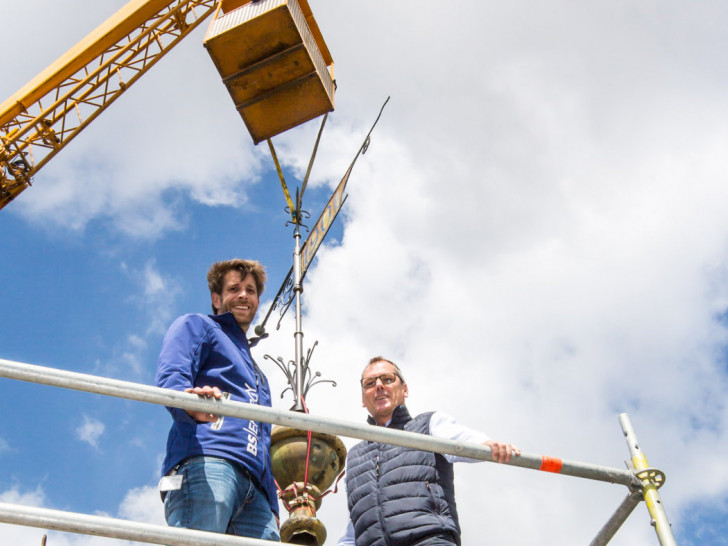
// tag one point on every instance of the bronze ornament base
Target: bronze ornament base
(326, 459)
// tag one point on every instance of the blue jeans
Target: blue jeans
(219, 496)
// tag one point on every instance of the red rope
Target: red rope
(280, 496)
(305, 479)
(336, 486)
(308, 448)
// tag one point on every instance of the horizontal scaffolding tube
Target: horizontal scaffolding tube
(316, 423)
(71, 522)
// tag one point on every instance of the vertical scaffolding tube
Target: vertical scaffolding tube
(649, 486)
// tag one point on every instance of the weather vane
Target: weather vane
(306, 463)
(297, 372)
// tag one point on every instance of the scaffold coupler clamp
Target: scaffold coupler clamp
(646, 477)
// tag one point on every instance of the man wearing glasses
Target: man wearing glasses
(401, 496)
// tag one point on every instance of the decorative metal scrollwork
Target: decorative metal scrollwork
(289, 370)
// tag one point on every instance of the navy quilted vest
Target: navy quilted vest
(396, 495)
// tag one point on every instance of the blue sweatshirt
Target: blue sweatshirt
(201, 350)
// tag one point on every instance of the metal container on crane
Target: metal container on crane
(274, 62)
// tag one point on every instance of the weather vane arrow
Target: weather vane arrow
(285, 294)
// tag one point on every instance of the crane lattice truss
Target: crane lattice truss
(41, 118)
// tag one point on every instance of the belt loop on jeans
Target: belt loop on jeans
(175, 469)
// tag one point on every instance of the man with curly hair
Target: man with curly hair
(216, 475)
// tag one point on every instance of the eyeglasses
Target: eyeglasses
(385, 378)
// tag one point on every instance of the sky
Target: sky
(537, 236)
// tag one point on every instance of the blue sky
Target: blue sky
(537, 235)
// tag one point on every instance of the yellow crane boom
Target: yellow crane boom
(42, 117)
(270, 54)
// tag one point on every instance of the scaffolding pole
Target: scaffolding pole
(643, 481)
(315, 423)
(71, 522)
(618, 518)
(651, 480)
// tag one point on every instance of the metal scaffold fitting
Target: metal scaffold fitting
(651, 480)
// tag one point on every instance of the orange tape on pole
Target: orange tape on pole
(551, 464)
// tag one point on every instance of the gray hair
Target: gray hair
(376, 359)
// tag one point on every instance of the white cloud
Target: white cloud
(16, 534)
(542, 258)
(90, 431)
(537, 233)
(140, 504)
(158, 289)
(155, 285)
(15, 496)
(132, 168)
(154, 290)
(136, 342)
